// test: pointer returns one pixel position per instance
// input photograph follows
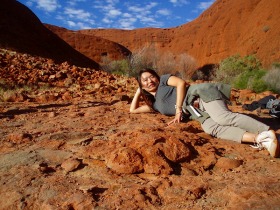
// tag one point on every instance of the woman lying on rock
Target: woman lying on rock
(204, 102)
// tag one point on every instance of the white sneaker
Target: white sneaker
(268, 140)
(265, 134)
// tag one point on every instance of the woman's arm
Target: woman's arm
(135, 108)
(180, 85)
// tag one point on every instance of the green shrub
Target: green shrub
(266, 28)
(242, 73)
(251, 80)
(120, 67)
(275, 65)
(231, 67)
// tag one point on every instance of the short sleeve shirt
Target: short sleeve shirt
(165, 98)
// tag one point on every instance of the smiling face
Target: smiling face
(149, 82)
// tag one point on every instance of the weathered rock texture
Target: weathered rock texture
(227, 28)
(77, 147)
(22, 31)
(96, 48)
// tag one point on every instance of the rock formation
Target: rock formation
(96, 48)
(23, 32)
(227, 28)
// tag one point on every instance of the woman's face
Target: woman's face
(149, 82)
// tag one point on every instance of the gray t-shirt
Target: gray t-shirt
(165, 98)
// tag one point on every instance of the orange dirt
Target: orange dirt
(76, 146)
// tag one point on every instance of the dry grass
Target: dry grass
(272, 79)
(149, 57)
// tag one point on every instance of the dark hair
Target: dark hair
(148, 97)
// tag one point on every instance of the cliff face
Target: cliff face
(227, 28)
(234, 27)
(96, 48)
(22, 31)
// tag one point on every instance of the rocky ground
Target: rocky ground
(72, 144)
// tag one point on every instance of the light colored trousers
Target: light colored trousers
(228, 125)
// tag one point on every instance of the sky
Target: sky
(119, 14)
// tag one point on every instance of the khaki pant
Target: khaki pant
(228, 125)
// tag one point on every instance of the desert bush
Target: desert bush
(242, 73)
(272, 78)
(182, 65)
(251, 80)
(166, 63)
(275, 65)
(186, 66)
(230, 68)
(266, 28)
(5, 89)
(120, 67)
(6, 95)
(149, 57)
(146, 57)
